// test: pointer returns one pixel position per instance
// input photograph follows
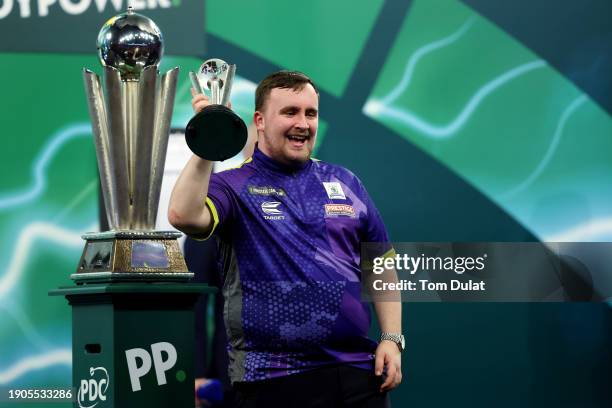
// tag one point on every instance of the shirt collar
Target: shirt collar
(270, 164)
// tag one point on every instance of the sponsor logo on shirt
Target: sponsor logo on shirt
(271, 211)
(267, 191)
(334, 190)
(337, 210)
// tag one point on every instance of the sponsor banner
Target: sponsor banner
(487, 272)
(66, 26)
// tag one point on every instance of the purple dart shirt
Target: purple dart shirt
(291, 253)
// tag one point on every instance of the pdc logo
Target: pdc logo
(139, 368)
(93, 390)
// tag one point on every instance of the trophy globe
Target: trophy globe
(130, 42)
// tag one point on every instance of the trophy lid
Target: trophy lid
(130, 42)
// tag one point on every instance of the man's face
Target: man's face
(287, 124)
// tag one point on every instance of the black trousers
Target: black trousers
(337, 386)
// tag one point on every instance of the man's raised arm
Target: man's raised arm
(188, 211)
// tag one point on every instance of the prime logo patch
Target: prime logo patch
(334, 190)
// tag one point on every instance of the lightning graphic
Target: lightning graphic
(26, 240)
(567, 113)
(26, 326)
(594, 230)
(37, 362)
(376, 108)
(39, 184)
(416, 57)
(91, 187)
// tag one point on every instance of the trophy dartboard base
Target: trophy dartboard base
(216, 133)
(113, 256)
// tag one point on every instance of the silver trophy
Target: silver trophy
(130, 117)
(216, 133)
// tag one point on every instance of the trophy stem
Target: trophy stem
(215, 91)
(130, 104)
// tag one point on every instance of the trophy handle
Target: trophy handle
(98, 114)
(195, 83)
(141, 156)
(163, 119)
(227, 86)
(118, 146)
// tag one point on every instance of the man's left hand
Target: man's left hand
(388, 355)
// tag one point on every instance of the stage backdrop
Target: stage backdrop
(467, 120)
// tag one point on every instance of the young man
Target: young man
(291, 229)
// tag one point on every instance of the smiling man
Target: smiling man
(290, 229)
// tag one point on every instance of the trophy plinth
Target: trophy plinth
(132, 256)
(215, 133)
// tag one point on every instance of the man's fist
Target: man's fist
(198, 101)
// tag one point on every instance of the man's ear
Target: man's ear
(258, 120)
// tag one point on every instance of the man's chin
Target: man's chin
(298, 158)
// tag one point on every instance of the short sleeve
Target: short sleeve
(220, 201)
(374, 230)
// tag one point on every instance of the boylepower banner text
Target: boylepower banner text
(72, 26)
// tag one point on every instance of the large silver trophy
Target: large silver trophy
(216, 133)
(130, 117)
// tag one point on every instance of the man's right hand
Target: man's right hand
(198, 101)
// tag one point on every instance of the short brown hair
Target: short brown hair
(282, 79)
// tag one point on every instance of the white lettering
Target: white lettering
(71, 8)
(162, 366)
(101, 4)
(437, 286)
(135, 371)
(93, 390)
(7, 7)
(415, 264)
(24, 8)
(378, 269)
(469, 285)
(138, 4)
(43, 7)
(84, 389)
(77, 7)
(100, 385)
